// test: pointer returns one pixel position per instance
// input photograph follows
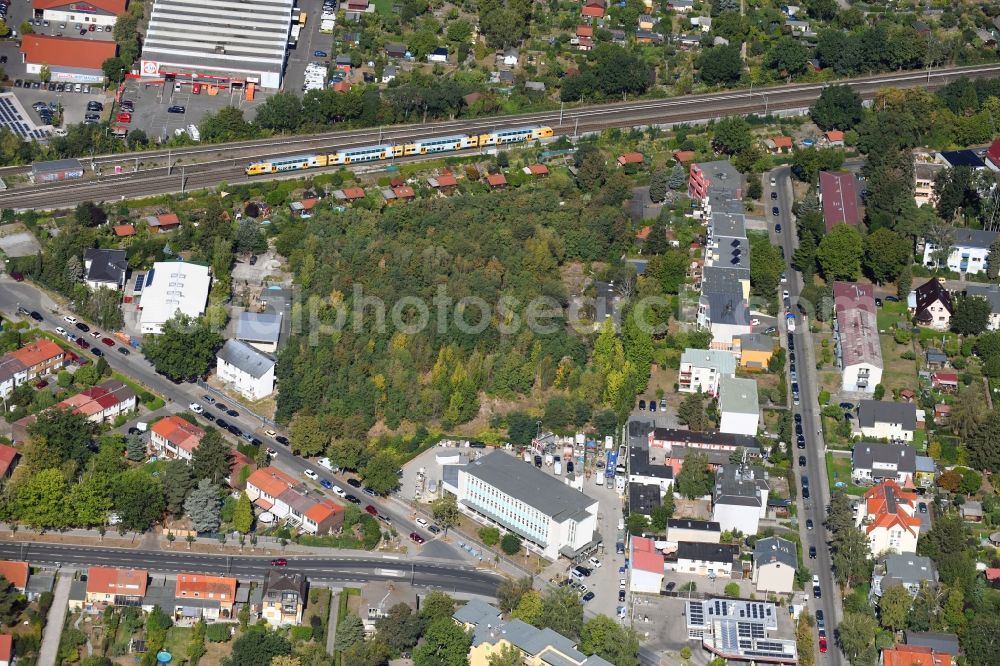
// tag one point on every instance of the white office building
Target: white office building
(172, 288)
(218, 41)
(551, 518)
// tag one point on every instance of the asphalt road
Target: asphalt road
(447, 577)
(815, 507)
(138, 368)
(205, 166)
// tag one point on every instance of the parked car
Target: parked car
(176, 109)
(36, 315)
(83, 327)
(311, 474)
(621, 596)
(196, 408)
(233, 413)
(60, 330)
(371, 510)
(319, 54)
(70, 319)
(354, 483)
(107, 342)
(812, 552)
(416, 538)
(326, 484)
(123, 351)
(352, 499)
(82, 343)
(96, 352)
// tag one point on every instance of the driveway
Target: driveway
(49, 650)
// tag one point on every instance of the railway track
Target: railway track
(164, 171)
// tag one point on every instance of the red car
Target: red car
(125, 117)
(279, 562)
(416, 538)
(108, 342)
(41, 384)
(83, 344)
(371, 510)
(18, 276)
(822, 643)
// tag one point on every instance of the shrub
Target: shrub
(908, 355)
(489, 536)
(732, 590)
(218, 632)
(300, 633)
(510, 544)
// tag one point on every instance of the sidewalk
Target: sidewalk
(331, 622)
(49, 650)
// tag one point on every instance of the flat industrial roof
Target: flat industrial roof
(251, 35)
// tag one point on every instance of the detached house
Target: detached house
(908, 570)
(284, 598)
(874, 463)
(739, 499)
(248, 370)
(933, 305)
(881, 419)
(174, 437)
(707, 559)
(647, 566)
(105, 268)
(774, 563)
(886, 514)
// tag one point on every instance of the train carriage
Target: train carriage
(278, 165)
(365, 154)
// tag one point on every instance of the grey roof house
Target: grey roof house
(882, 419)
(105, 268)
(873, 462)
(259, 329)
(908, 570)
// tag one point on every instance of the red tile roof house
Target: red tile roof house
(163, 223)
(8, 460)
(349, 194)
(834, 138)
(538, 170)
(6, 649)
(28, 363)
(887, 516)
(403, 192)
(303, 208)
(16, 573)
(102, 402)
(683, 156)
(218, 591)
(945, 381)
(496, 180)
(993, 155)
(277, 492)
(175, 437)
(630, 158)
(780, 144)
(592, 12)
(323, 517)
(839, 196)
(584, 31)
(124, 230)
(115, 587)
(443, 181)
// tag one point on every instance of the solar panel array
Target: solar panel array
(738, 629)
(12, 119)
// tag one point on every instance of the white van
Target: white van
(600, 479)
(194, 133)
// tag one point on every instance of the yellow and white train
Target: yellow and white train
(389, 151)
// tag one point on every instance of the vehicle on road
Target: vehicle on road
(83, 344)
(802, 461)
(208, 416)
(233, 413)
(371, 510)
(319, 54)
(812, 552)
(208, 399)
(36, 316)
(61, 331)
(96, 352)
(325, 462)
(196, 408)
(352, 499)
(326, 484)
(281, 439)
(621, 596)
(107, 342)
(279, 562)
(368, 491)
(354, 483)
(339, 492)
(777, 228)
(271, 452)
(123, 351)
(70, 319)
(416, 538)
(809, 523)
(82, 327)
(234, 429)
(311, 474)
(822, 644)
(176, 109)
(670, 586)
(774, 195)
(589, 596)
(775, 211)
(422, 522)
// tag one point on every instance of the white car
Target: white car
(422, 522)
(68, 318)
(311, 474)
(594, 562)
(196, 408)
(60, 330)
(339, 492)
(325, 462)
(815, 579)
(271, 452)
(621, 583)
(96, 334)
(755, 321)
(785, 293)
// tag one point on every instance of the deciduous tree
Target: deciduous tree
(839, 253)
(838, 107)
(212, 459)
(971, 315)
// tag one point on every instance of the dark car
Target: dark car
(83, 327)
(892, 299)
(800, 442)
(354, 483)
(96, 352)
(279, 562)
(642, 405)
(588, 596)
(257, 441)
(319, 54)
(846, 405)
(208, 416)
(878, 302)
(235, 430)
(812, 552)
(82, 344)
(326, 484)
(583, 571)
(774, 195)
(416, 538)
(222, 423)
(923, 507)
(817, 593)
(352, 499)
(371, 510)
(621, 596)
(798, 425)
(281, 439)
(233, 413)
(777, 228)
(222, 408)
(805, 493)
(670, 586)
(802, 461)
(775, 211)
(176, 109)
(123, 351)
(809, 524)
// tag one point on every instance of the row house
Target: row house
(175, 437)
(103, 402)
(203, 596)
(856, 337)
(30, 362)
(277, 492)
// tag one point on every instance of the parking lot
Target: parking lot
(74, 104)
(152, 101)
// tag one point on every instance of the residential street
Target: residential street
(138, 368)
(815, 507)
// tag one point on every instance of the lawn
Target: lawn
(383, 7)
(839, 469)
(920, 440)
(177, 642)
(897, 373)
